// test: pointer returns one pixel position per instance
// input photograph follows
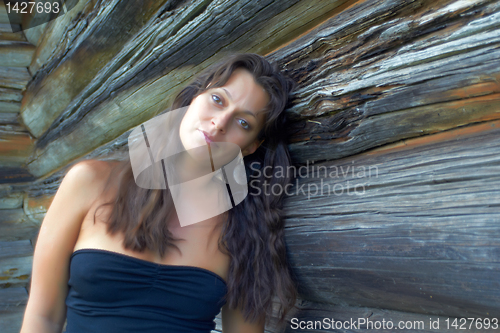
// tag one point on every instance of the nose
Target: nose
(220, 121)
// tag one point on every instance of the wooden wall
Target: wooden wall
(398, 101)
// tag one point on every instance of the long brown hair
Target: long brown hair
(253, 231)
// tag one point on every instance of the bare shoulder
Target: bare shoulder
(91, 170)
(56, 240)
(88, 178)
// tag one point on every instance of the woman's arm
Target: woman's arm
(46, 309)
(234, 322)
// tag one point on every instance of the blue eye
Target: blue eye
(244, 124)
(217, 99)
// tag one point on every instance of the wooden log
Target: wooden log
(34, 34)
(15, 174)
(10, 200)
(50, 43)
(84, 56)
(394, 126)
(15, 144)
(376, 61)
(11, 322)
(12, 306)
(9, 107)
(10, 95)
(15, 272)
(15, 249)
(141, 84)
(413, 227)
(7, 34)
(35, 208)
(16, 54)
(16, 259)
(15, 225)
(8, 117)
(14, 78)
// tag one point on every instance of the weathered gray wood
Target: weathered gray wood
(141, 84)
(34, 34)
(16, 54)
(15, 225)
(14, 174)
(12, 297)
(36, 208)
(10, 95)
(419, 225)
(15, 144)
(15, 271)
(9, 107)
(12, 77)
(11, 322)
(55, 31)
(12, 306)
(8, 117)
(14, 249)
(83, 56)
(7, 34)
(376, 74)
(10, 200)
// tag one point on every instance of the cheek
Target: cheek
(189, 123)
(245, 141)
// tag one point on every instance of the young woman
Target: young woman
(113, 257)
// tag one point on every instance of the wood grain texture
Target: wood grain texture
(383, 71)
(16, 54)
(94, 41)
(9, 107)
(15, 225)
(140, 84)
(15, 249)
(10, 200)
(14, 78)
(15, 144)
(15, 272)
(7, 34)
(8, 117)
(12, 306)
(11, 95)
(88, 54)
(35, 208)
(57, 31)
(412, 228)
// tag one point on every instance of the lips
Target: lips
(208, 138)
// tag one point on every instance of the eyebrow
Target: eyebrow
(250, 113)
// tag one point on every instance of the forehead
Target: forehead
(246, 93)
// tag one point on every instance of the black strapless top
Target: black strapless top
(112, 292)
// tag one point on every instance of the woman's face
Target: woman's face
(231, 113)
